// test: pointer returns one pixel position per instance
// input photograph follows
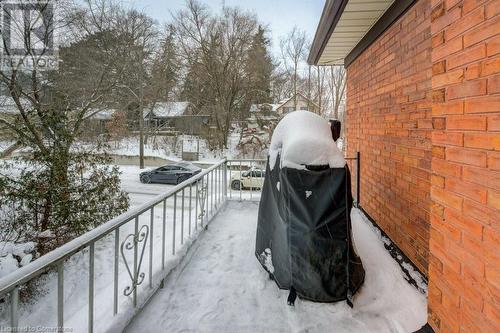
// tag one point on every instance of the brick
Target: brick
(466, 156)
(438, 152)
(494, 84)
(447, 138)
(493, 275)
(483, 105)
(452, 107)
(437, 181)
(494, 123)
(442, 22)
(439, 67)
(467, 56)
(465, 23)
(446, 168)
(494, 160)
(448, 48)
(491, 239)
(493, 46)
(468, 5)
(437, 39)
(494, 199)
(468, 225)
(482, 140)
(446, 229)
(492, 9)
(476, 210)
(467, 89)
(437, 11)
(490, 67)
(450, 77)
(473, 71)
(469, 190)
(481, 176)
(438, 95)
(484, 31)
(438, 123)
(477, 123)
(492, 313)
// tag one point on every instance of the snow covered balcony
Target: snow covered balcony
(185, 261)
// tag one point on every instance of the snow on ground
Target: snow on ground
(221, 287)
(4, 144)
(304, 138)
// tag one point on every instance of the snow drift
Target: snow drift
(304, 138)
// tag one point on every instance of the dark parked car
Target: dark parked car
(170, 174)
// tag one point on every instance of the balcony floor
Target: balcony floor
(220, 287)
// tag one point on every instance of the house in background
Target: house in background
(182, 117)
(164, 114)
(303, 103)
(264, 108)
(423, 110)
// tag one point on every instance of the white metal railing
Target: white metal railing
(131, 239)
(205, 194)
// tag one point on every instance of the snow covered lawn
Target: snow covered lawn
(221, 287)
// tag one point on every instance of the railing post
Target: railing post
(60, 296)
(91, 288)
(136, 274)
(115, 271)
(207, 193)
(151, 238)
(182, 217)
(215, 187)
(358, 176)
(230, 176)
(164, 232)
(190, 205)
(225, 180)
(196, 203)
(251, 179)
(174, 221)
(14, 309)
(241, 182)
(211, 193)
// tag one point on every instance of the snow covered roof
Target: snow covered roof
(304, 138)
(263, 107)
(282, 102)
(168, 109)
(104, 114)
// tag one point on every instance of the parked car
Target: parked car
(253, 179)
(170, 174)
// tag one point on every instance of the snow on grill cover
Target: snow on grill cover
(304, 230)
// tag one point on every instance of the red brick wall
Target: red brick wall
(389, 121)
(464, 279)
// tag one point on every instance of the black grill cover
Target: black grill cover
(304, 230)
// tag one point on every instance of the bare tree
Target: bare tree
(293, 50)
(214, 49)
(52, 107)
(337, 85)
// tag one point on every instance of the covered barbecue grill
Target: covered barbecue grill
(304, 229)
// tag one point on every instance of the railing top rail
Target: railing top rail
(50, 259)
